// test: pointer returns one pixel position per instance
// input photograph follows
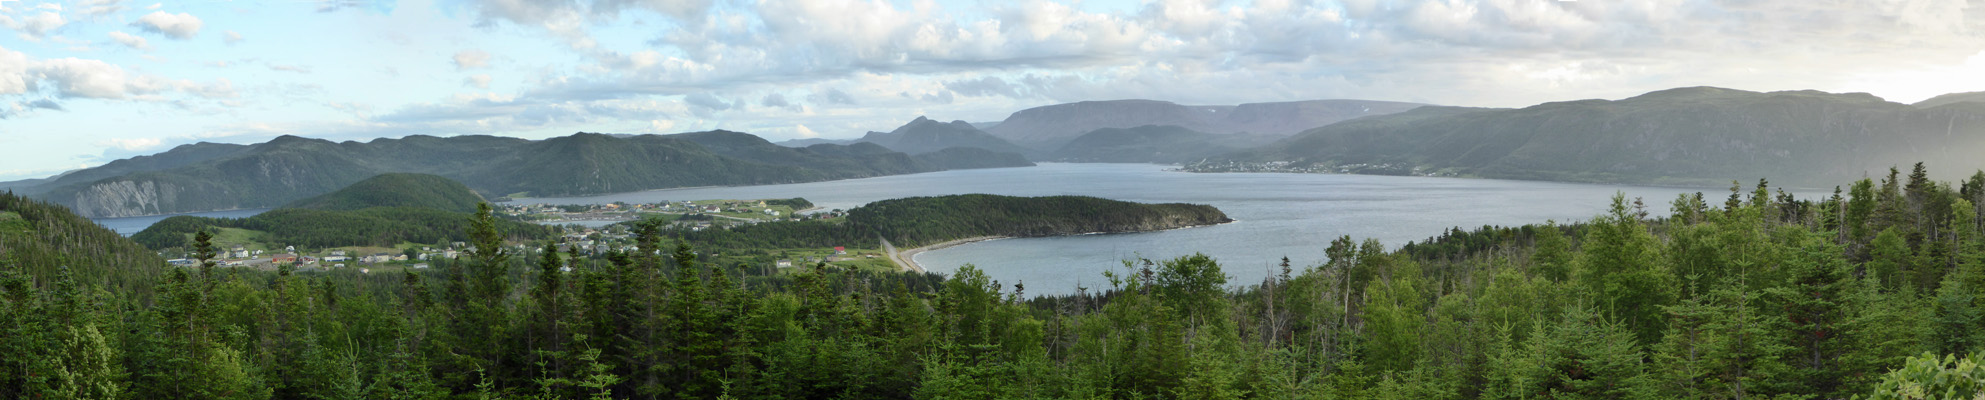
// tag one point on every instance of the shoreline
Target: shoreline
(908, 258)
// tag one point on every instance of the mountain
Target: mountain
(1699, 135)
(39, 239)
(1049, 127)
(289, 168)
(814, 141)
(383, 210)
(1168, 144)
(972, 158)
(924, 135)
(1951, 98)
(396, 190)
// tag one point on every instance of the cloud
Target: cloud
(479, 81)
(37, 26)
(707, 101)
(471, 59)
(301, 69)
(45, 104)
(805, 132)
(776, 100)
(230, 38)
(74, 77)
(180, 26)
(99, 8)
(129, 40)
(837, 96)
(133, 144)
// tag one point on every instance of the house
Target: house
(420, 266)
(784, 264)
(771, 212)
(283, 259)
(180, 262)
(401, 257)
(339, 253)
(241, 254)
(336, 258)
(840, 250)
(289, 249)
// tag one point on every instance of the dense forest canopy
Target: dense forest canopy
(1871, 292)
(919, 221)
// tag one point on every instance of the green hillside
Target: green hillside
(924, 135)
(38, 240)
(397, 190)
(1152, 144)
(381, 211)
(1680, 136)
(973, 158)
(917, 221)
(290, 168)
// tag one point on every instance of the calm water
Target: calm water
(1293, 215)
(131, 225)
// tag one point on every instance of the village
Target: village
(589, 230)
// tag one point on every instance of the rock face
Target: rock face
(125, 199)
(1049, 127)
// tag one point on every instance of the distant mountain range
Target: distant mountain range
(1169, 144)
(1698, 135)
(1049, 127)
(204, 177)
(1045, 129)
(924, 135)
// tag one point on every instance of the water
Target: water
(132, 225)
(1277, 215)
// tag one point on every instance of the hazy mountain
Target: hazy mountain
(1049, 127)
(290, 168)
(1168, 144)
(924, 135)
(813, 141)
(972, 158)
(1951, 98)
(397, 190)
(1697, 135)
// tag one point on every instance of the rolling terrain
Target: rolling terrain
(1690, 136)
(205, 177)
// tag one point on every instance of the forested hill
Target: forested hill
(216, 177)
(383, 211)
(918, 221)
(1168, 144)
(924, 135)
(39, 241)
(1695, 135)
(397, 190)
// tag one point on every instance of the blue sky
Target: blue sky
(86, 82)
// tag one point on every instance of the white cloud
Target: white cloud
(805, 132)
(37, 26)
(99, 8)
(129, 40)
(231, 38)
(479, 81)
(177, 26)
(75, 77)
(471, 59)
(290, 68)
(131, 144)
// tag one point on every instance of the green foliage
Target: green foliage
(1931, 377)
(396, 190)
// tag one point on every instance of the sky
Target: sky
(86, 82)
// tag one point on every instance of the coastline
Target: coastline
(908, 258)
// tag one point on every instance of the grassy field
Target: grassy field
(11, 221)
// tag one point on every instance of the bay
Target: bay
(128, 226)
(1276, 215)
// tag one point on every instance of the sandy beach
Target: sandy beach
(908, 258)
